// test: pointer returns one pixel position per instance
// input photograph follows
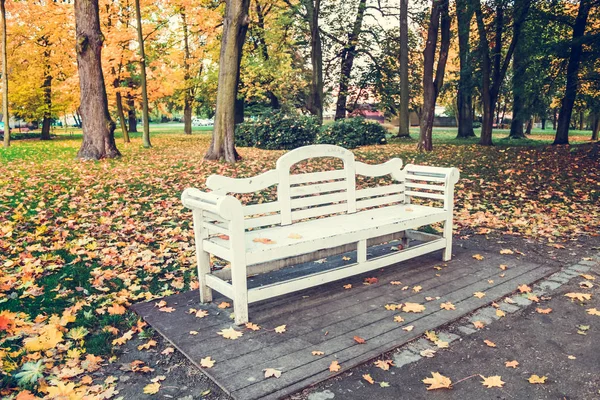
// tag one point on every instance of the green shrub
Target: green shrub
(277, 131)
(476, 124)
(352, 132)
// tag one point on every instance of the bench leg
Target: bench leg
(448, 236)
(202, 259)
(240, 292)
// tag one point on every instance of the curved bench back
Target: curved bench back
(315, 194)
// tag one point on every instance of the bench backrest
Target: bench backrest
(315, 194)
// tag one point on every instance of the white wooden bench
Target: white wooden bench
(316, 214)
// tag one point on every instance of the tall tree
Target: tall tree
(188, 89)
(404, 121)
(315, 102)
(235, 26)
(566, 106)
(145, 117)
(98, 128)
(47, 90)
(347, 61)
(518, 89)
(464, 14)
(494, 66)
(5, 118)
(439, 24)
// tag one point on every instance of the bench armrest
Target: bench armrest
(450, 175)
(227, 207)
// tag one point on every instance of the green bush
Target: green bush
(277, 131)
(352, 132)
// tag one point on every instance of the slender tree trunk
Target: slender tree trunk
(235, 26)
(464, 12)
(47, 91)
(119, 101)
(554, 119)
(5, 116)
(439, 21)
(315, 101)
(529, 126)
(544, 124)
(566, 106)
(581, 120)
(404, 115)
(131, 117)
(187, 93)
(145, 117)
(518, 86)
(347, 61)
(98, 128)
(595, 127)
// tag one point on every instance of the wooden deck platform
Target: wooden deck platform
(327, 318)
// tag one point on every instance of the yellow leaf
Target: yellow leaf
(116, 309)
(543, 310)
(392, 307)
(431, 335)
(438, 381)
(48, 338)
(272, 372)
(146, 346)
(396, 283)
(417, 289)
(317, 353)
(408, 328)
(448, 306)
(280, 329)
(224, 304)
(398, 318)
(252, 326)
(348, 286)
(511, 364)
(334, 366)
(201, 313)
(367, 377)
(500, 313)
(152, 388)
(524, 288)
(503, 267)
(579, 296)
(230, 333)
(413, 307)
(193, 333)
(478, 257)
(442, 345)
(588, 277)
(593, 311)
(384, 364)
(492, 381)
(166, 309)
(207, 362)
(478, 324)
(537, 379)
(489, 343)
(294, 236)
(479, 295)
(263, 241)
(506, 251)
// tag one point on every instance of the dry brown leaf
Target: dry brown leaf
(524, 288)
(384, 364)
(543, 310)
(479, 295)
(334, 366)
(447, 306)
(506, 251)
(537, 379)
(371, 281)
(317, 353)
(593, 311)
(478, 257)
(437, 381)
(398, 318)
(224, 304)
(492, 381)
(146, 346)
(534, 298)
(348, 286)
(367, 377)
(489, 343)
(579, 296)
(511, 364)
(166, 309)
(207, 362)
(252, 326)
(359, 340)
(167, 351)
(263, 241)
(272, 372)
(478, 324)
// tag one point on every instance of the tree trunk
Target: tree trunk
(119, 101)
(235, 26)
(529, 126)
(554, 119)
(581, 120)
(5, 116)
(347, 61)
(544, 124)
(518, 86)
(566, 106)
(145, 116)
(404, 115)
(131, 117)
(47, 92)
(315, 101)
(98, 128)
(439, 21)
(464, 12)
(187, 92)
(595, 127)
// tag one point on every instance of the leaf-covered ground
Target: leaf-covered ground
(81, 241)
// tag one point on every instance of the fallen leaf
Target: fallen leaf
(543, 310)
(166, 309)
(448, 306)
(371, 281)
(492, 381)
(511, 364)
(579, 296)
(146, 346)
(442, 345)
(533, 298)
(572, 357)
(359, 340)
(334, 366)
(398, 318)
(438, 381)
(317, 353)
(392, 307)
(537, 379)
(586, 285)
(263, 241)
(524, 288)
(413, 307)
(346, 258)
(367, 377)
(294, 236)
(167, 351)
(478, 257)
(201, 313)
(432, 336)
(588, 277)
(280, 329)
(417, 289)
(116, 309)
(252, 326)
(478, 324)
(152, 388)
(381, 384)
(384, 364)
(593, 311)
(408, 328)
(503, 267)
(506, 251)
(396, 283)
(160, 304)
(348, 286)
(230, 333)
(223, 236)
(272, 372)
(479, 295)
(207, 362)
(429, 353)
(500, 313)
(193, 333)
(224, 304)
(489, 343)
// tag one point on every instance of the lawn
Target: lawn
(81, 241)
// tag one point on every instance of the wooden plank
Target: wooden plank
(377, 342)
(425, 195)
(262, 208)
(258, 222)
(392, 166)
(296, 179)
(379, 190)
(296, 191)
(439, 188)
(223, 184)
(319, 211)
(299, 202)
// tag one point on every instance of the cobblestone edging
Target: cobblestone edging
(411, 352)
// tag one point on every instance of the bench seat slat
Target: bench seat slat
(438, 188)
(425, 195)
